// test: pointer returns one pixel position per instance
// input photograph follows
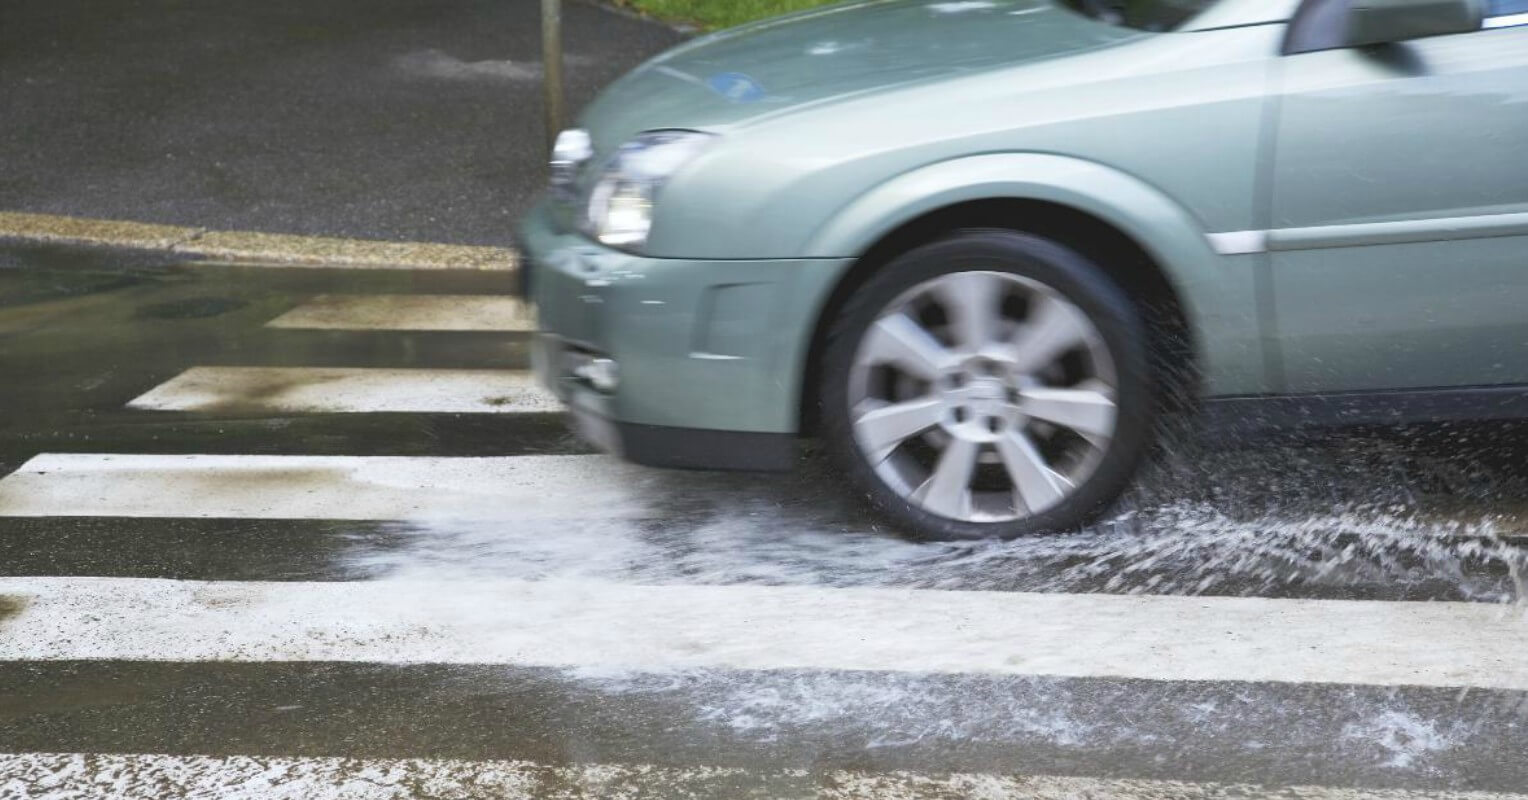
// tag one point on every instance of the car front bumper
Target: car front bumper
(709, 355)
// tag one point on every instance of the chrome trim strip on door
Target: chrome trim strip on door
(1236, 243)
(1444, 229)
(1399, 232)
(1506, 21)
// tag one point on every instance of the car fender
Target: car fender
(1218, 300)
(1159, 224)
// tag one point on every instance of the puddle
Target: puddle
(192, 308)
(22, 288)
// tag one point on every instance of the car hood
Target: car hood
(787, 63)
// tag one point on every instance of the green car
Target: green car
(980, 248)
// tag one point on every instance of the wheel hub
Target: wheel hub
(982, 362)
(980, 408)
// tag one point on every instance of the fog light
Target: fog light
(601, 373)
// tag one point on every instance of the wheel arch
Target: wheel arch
(1148, 243)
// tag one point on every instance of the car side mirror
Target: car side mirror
(1385, 21)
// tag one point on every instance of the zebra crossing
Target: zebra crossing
(626, 679)
(595, 624)
(427, 312)
(320, 778)
(318, 487)
(349, 390)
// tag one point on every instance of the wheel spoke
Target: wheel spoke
(881, 430)
(1036, 485)
(1054, 327)
(947, 491)
(898, 340)
(971, 301)
(1086, 410)
(946, 364)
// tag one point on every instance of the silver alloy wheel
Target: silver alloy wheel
(982, 396)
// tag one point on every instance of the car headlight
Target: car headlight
(620, 210)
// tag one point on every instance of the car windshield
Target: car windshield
(1147, 15)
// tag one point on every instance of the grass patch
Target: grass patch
(713, 14)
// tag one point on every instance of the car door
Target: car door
(1399, 213)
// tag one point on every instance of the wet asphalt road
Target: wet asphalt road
(415, 120)
(1405, 517)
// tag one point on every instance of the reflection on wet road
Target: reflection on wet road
(386, 564)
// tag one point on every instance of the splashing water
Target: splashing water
(1350, 516)
(1401, 738)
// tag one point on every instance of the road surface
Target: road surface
(314, 533)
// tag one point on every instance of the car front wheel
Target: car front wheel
(991, 384)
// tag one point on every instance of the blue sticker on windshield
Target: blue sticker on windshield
(737, 87)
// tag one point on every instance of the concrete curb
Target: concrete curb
(269, 249)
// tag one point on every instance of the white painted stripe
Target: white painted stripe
(323, 487)
(29, 776)
(604, 626)
(349, 390)
(410, 312)
(1506, 21)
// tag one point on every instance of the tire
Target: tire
(1007, 440)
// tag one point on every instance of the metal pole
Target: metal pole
(551, 56)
